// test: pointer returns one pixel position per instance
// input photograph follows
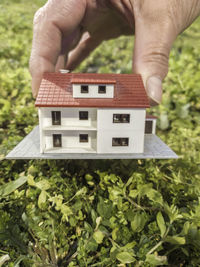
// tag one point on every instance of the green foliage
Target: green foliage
(100, 212)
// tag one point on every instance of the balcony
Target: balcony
(70, 128)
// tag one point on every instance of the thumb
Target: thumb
(154, 37)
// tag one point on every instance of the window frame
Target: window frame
(121, 119)
(99, 89)
(82, 88)
(54, 140)
(83, 111)
(53, 117)
(120, 139)
(81, 135)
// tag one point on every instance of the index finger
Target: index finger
(51, 22)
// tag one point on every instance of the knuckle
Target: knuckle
(156, 59)
(157, 53)
(38, 15)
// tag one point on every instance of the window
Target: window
(57, 140)
(84, 89)
(148, 127)
(56, 117)
(121, 118)
(83, 138)
(102, 89)
(83, 115)
(120, 141)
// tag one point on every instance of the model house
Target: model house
(93, 113)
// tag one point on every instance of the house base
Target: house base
(29, 148)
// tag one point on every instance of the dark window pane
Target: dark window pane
(116, 142)
(84, 89)
(121, 118)
(57, 140)
(102, 89)
(120, 141)
(56, 117)
(148, 127)
(83, 138)
(83, 115)
(124, 141)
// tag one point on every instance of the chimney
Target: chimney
(63, 71)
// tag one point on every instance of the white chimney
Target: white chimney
(63, 71)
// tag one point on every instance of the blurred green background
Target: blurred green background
(99, 213)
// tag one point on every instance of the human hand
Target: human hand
(65, 32)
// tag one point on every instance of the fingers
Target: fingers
(154, 35)
(53, 22)
(83, 49)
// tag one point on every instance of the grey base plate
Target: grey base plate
(29, 148)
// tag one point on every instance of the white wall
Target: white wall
(93, 91)
(133, 130)
(69, 116)
(106, 129)
(42, 143)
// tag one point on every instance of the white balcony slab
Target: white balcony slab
(70, 128)
(29, 148)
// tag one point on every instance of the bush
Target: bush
(99, 212)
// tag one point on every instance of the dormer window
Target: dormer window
(102, 89)
(84, 89)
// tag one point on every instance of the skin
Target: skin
(66, 31)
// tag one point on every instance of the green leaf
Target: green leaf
(155, 260)
(161, 223)
(139, 222)
(176, 240)
(66, 211)
(92, 245)
(172, 212)
(98, 236)
(155, 196)
(125, 257)
(10, 187)
(43, 185)
(30, 180)
(98, 221)
(42, 199)
(114, 233)
(3, 259)
(105, 209)
(133, 193)
(88, 227)
(80, 192)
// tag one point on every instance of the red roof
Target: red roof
(56, 91)
(150, 116)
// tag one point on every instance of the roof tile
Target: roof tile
(56, 90)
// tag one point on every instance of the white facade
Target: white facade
(99, 130)
(134, 130)
(93, 91)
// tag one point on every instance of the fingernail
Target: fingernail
(154, 90)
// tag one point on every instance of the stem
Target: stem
(155, 247)
(159, 243)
